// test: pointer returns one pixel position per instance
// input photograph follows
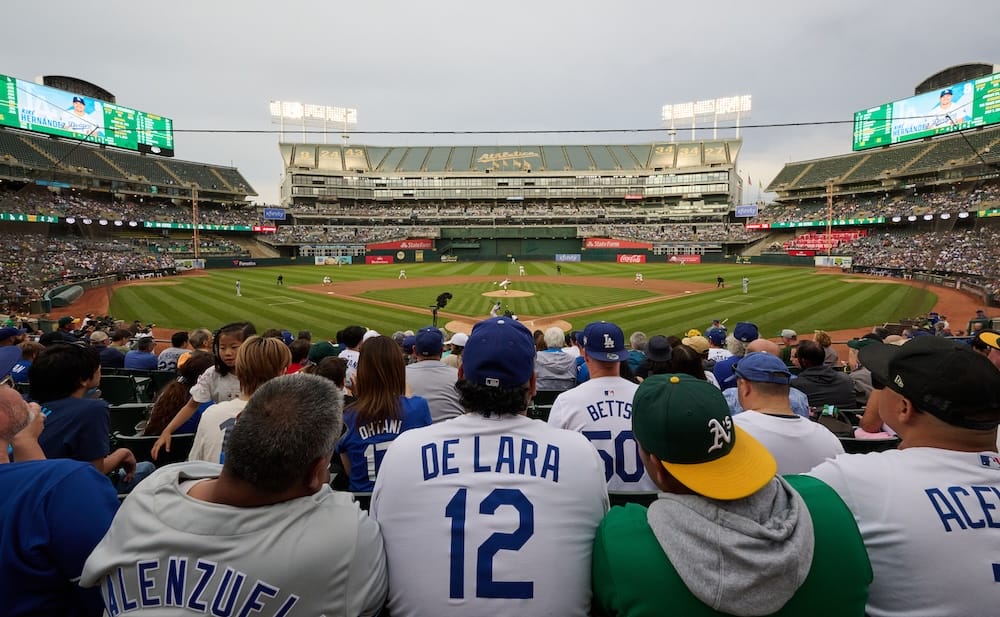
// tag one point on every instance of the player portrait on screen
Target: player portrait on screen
(954, 106)
(79, 120)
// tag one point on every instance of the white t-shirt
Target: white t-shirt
(798, 444)
(930, 519)
(351, 356)
(601, 409)
(489, 516)
(214, 387)
(717, 354)
(214, 426)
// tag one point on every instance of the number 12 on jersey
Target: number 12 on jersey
(486, 587)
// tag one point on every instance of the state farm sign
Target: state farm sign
(631, 259)
(614, 243)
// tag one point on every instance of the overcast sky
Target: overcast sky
(464, 65)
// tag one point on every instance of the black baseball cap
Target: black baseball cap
(948, 381)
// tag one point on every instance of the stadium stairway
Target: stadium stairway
(256, 249)
(761, 245)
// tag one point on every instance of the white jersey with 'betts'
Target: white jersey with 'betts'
(489, 516)
(930, 519)
(170, 554)
(601, 409)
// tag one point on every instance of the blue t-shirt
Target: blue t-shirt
(19, 372)
(76, 428)
(112, 358)
(140, 360)
(366, 445)
(52, 515)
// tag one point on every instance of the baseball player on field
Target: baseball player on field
(601, 408)
(490, 513)
(746, 284)
(929, 512)
(261, 534)
(504, 284)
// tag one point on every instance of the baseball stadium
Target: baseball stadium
(112, 239)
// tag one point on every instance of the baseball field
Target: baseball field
(671, 299)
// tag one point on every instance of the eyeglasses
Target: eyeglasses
(7, 381)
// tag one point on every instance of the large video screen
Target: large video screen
(34, 107)
(960, 106)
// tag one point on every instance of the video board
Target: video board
(34, 107)
(964, 105)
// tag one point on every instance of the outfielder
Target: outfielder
(238, 294)
(746, 284)
(490, 513)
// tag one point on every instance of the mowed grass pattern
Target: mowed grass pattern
(797, 298)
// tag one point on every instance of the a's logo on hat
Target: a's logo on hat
(609, 343)
(720, 433)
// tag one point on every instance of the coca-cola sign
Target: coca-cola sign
(631, 259)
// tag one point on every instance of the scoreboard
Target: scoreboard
(34, 107)
(964, 105)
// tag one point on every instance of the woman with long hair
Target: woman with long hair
(379, 413)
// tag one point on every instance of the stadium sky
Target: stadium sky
(459, 65)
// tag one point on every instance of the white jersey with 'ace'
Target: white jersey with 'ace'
(489, 516)
(601, 409)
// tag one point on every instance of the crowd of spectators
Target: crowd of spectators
(951, 200)
(31, 263)
(674, 233)
(327, 234)
(32, 200)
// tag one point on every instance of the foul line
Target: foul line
(287, 302)
(733, 302)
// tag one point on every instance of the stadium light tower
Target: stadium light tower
(305, 114)
(724, 108)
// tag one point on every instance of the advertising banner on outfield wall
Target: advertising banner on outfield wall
(569, 257)
(833, 261)
(379, 259)
(684, 259)
(631, 259)
(801, 253)
(183, 265)
(614, 243)
(325, 260)
(402, 244)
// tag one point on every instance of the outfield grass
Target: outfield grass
(796, 298)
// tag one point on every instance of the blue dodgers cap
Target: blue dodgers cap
(428, 342)
(716, 335)
(6, 333)
(408, 343)
(746, 332)
(500, 354)
(946, 91)
(604, 341)
(78, 99)
(762, 367)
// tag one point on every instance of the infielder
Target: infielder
(520, 270)
(327, 280)
(402, 274)
(746, 284)
(638, 278)
(490, 513)
(601, 408)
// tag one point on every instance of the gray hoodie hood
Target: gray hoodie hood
(743, 557)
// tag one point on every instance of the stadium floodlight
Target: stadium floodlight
(897, 219)
(963, 215)
(723, 108)
(307, 114)
(945, 216)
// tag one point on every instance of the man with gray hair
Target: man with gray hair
(555, 370)
(637, 350)
(262, 533)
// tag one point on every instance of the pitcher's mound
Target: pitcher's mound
(509, 294)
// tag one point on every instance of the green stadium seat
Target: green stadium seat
(140, 445)
(124, 418)
(118, 389)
